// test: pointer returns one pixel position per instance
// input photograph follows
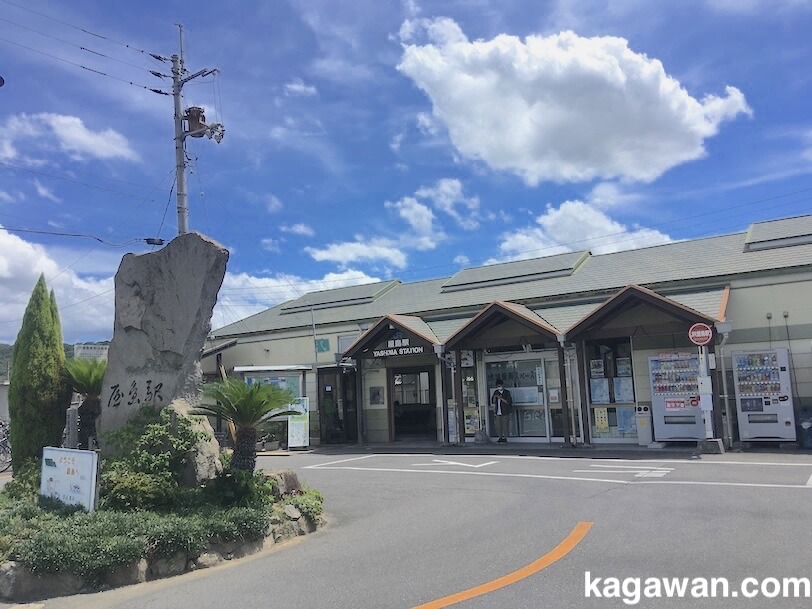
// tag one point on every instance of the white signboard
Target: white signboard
(299, 425)
(70, 476)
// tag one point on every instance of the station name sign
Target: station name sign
(398, 347)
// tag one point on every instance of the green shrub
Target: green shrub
(239, 488)
(238, 524)
(156, 442)
(26, 481)
(225, 459)
(89, 545)
(124, 488)
(170, 534)
(154, 448)
(310, 502)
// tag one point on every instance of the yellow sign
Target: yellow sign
(601, 416)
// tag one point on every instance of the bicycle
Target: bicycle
(5, 447)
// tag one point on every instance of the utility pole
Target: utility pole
(195, 126)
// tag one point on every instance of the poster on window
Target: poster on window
(624, 366)
(601, 416)
(599, 390)
(596, 368)
(624, 390)
(625, 419)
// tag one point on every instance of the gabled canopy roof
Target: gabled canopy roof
(498, 312)
(415, 329)
(625, 300)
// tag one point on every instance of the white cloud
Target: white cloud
(341, 70)
(298, 88)
(45, 192)
(396, 140)
(298, 229)
(572, 226)
(272, 245)
(462, 260)
(611, 194)
(421, 219)
(9, 197)
(86, 305)
(562, 107)
(243, 295)
(447, 196)
(272, 203)
(360, 250)
(427, 124)
(68, 133)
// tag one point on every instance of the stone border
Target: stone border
(17, 583)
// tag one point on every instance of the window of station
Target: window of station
(611, 388)
(525, 379)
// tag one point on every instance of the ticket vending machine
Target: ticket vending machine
(675, 404)
(764, 395)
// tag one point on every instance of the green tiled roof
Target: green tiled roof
(698, 269)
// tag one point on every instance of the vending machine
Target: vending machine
(675, 405)
(763, 395)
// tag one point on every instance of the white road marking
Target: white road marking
(639, 471)
(318, 465)
(27, 606)
(441, 462)
(809, 482)
(640, 467)
(547, 477)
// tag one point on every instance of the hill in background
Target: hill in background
(5, 359)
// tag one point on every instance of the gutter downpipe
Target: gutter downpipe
(439, 350)
(565, 410)
(724, 328)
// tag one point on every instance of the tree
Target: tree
(249, 408)
(38, 395)
(86, 377)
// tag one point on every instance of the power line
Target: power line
(86, 31)
(62, 234)
(73, 63)
(78, 182)
(126, 63)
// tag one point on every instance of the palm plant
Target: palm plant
(249, 408)
(86, 377)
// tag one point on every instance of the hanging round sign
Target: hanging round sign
(700, 334)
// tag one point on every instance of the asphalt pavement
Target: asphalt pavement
(505, 528)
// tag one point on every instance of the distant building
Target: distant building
(90, 351)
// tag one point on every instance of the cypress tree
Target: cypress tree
(37, 390)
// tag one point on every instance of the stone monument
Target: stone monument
(164, 301)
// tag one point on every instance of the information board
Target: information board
(299, 424)
(70, 475)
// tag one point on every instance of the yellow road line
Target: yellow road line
(554, 555)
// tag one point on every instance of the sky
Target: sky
(388, 139)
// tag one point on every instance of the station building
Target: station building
(593, 348)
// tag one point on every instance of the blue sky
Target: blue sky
(370, 140)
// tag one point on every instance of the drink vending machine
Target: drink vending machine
(764, 395)
(675, 405)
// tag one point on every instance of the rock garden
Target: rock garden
(148, 523)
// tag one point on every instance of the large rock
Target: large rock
(204, 464)
(164, 302)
